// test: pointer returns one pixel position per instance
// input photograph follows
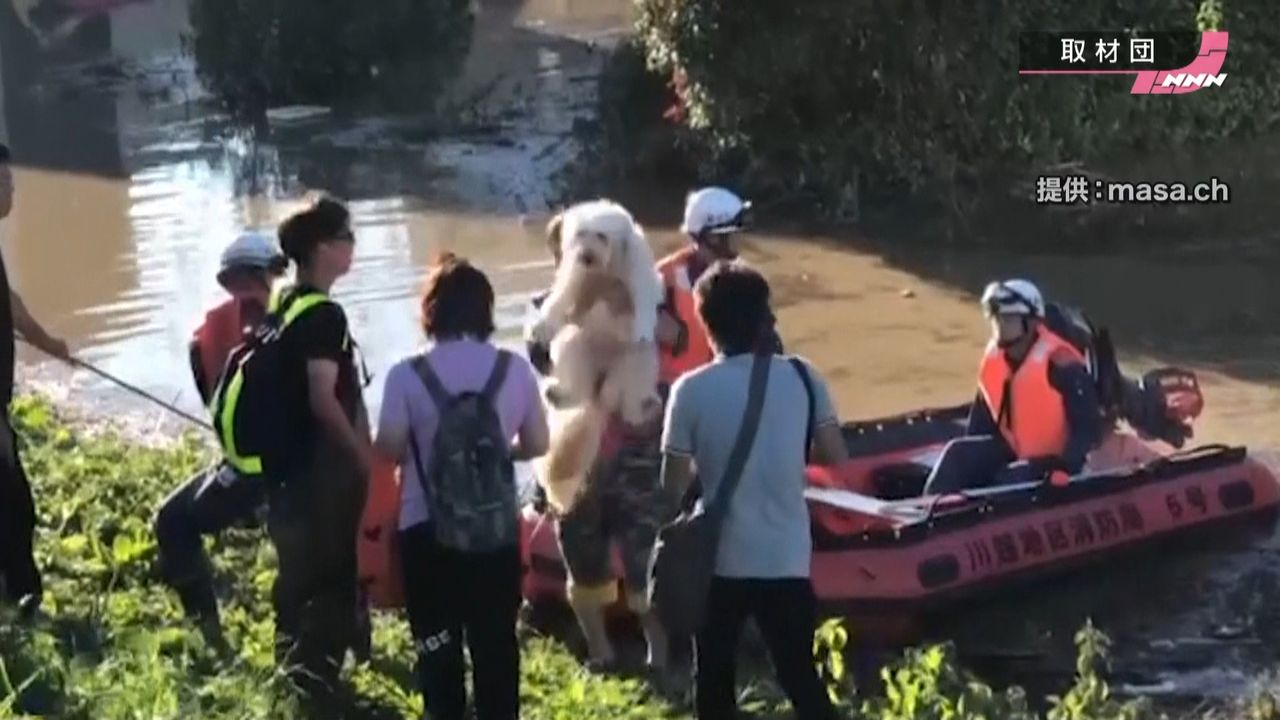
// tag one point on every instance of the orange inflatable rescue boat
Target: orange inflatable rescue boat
(379, 575)
(882, 551)
(377, 551)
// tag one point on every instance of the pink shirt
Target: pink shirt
(461, 365)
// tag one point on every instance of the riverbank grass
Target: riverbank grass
(110, 642)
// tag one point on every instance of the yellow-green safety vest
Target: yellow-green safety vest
(252, 464)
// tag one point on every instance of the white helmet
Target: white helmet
(252, 250)
(713, 210)
(1013, 297)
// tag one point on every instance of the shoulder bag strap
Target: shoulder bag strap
(760, 366)
(808, 391)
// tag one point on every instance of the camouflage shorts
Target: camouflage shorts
(623, 503)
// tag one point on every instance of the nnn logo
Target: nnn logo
(1187, 80)
(1204, 71)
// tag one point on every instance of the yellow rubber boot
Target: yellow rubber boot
(589, 603)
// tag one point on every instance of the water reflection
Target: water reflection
(52, 22)
(258, 54)
(129, 186)
(67, 153)
(39, 118)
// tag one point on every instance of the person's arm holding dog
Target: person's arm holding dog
(553, 311)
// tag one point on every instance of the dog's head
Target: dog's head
(594, 236)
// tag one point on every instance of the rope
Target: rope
(127, 386)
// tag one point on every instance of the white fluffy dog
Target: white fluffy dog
(599, 321)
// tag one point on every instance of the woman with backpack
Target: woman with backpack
(456, 418)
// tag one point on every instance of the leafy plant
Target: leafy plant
(112, 643)
(1090, 696)
(919, 98)
(830, 643)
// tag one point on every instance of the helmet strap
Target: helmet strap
(1025, 322)
(716, 245)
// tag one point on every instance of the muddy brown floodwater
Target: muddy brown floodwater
(129, 185)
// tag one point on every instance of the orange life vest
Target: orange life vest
(1033, 419)
(697, 351)
(378, 546)
(219, 334)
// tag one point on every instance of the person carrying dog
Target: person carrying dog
(622, 502)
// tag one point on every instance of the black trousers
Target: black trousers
(18, 572)
(313, 518)
(208, 503)
(454, 597)
(967, 463)
(785, 610)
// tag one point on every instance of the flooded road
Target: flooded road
(130, 182)
(127, 191)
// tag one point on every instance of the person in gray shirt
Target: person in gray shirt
(762, 566)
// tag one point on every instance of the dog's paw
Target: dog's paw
(643, 336)
(542, 332)
(652, 406)
(558, 397)
(642, 412)
(553, 395)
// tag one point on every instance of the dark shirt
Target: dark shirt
(1084, 415)
(6, 337)
(320, 333)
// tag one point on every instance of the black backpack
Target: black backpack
(470, 486)
(256, 428)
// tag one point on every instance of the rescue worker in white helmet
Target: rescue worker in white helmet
(1036, 414)
(713, 219)
(217, 498)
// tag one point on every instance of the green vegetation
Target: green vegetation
(838, 103)
(929, 685)
(111, 645)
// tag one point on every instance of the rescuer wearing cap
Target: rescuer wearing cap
(217, 498)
